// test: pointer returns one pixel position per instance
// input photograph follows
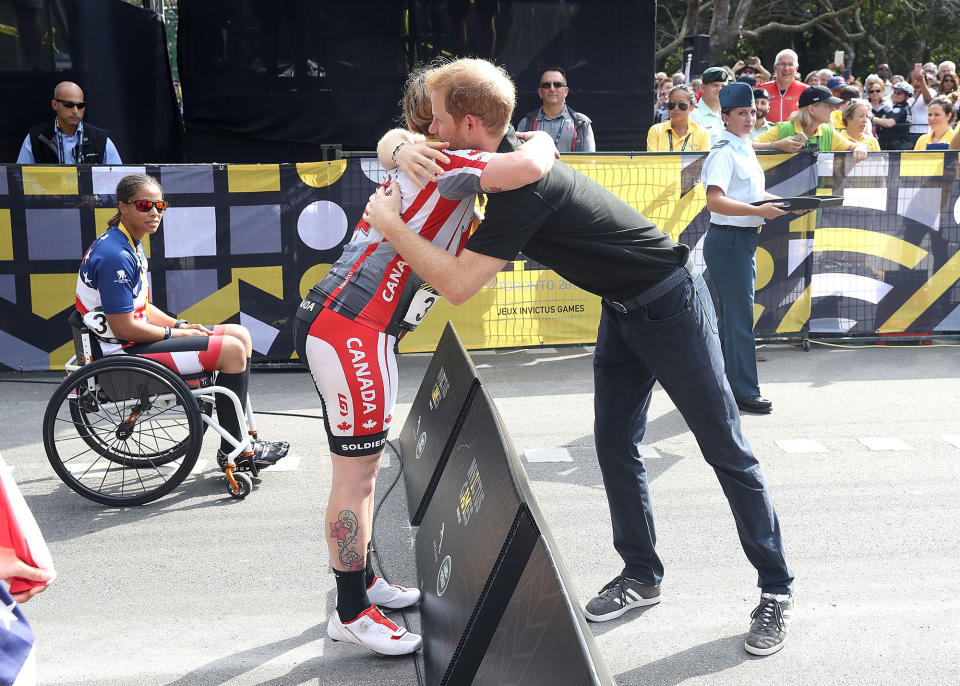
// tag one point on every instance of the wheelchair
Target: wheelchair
(126, 430)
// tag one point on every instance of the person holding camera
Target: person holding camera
(751, 67)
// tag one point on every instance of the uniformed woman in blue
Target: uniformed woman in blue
(733, 178)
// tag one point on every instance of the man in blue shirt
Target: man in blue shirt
(67, 140)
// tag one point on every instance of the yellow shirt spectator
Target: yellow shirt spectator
(662, 138)
(826, 133)
(873, 145)
(924, 140)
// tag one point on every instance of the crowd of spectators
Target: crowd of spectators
(882, 111)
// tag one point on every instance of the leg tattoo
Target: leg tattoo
(346, 530)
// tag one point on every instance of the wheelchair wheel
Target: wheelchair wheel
(95, 430)
(244, 485)
(122, 431)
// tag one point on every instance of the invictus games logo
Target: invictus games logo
(443, 576)
(421, 444)
(440, 389)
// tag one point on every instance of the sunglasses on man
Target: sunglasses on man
(682, 105)
(69, 104)
(147, 205)
(555, 84)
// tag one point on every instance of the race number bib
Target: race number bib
(423, 300)
(96, 321)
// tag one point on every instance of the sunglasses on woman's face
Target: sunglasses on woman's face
(682, 105)
(875, 90)
(147, 205)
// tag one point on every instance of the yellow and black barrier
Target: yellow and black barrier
(243, 243)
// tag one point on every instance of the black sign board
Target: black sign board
(477, 541)
(435, 418)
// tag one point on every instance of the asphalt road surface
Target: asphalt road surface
(862, 455)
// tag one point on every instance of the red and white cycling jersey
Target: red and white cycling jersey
(371, 283)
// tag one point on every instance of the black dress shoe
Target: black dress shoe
(756, 405)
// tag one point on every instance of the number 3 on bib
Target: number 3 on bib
(96, 321)
(423, 300)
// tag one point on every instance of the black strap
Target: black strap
(685, 140)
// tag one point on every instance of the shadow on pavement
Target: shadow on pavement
(706, 658)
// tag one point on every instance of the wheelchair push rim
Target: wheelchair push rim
(122, 431)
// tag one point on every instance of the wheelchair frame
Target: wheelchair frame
(238, 484)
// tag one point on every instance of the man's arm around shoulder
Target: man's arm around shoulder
(527, 164)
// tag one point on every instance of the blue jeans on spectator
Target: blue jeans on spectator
(731, 259)
(673, 340)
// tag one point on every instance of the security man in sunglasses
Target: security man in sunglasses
(571, 131)
(67, 139)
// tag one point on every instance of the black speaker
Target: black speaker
(434, 420)
(699, 48)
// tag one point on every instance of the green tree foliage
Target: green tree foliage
(898, 32)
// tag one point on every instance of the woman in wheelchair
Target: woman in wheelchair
(113, 298)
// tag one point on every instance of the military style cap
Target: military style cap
(714, 74)
(736, 94)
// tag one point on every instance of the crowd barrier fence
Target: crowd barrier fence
(243, 243)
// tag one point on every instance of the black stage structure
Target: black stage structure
(265, 81)
(115, 51)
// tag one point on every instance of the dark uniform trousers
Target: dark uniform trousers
(673, 340)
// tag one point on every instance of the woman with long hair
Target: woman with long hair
(357, 313)
(940, 115)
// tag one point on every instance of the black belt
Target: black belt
(730, 227)
(660, 288)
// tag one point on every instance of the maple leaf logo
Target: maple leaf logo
(369, 424)
(388, 419)
(339, 531)
(343, 426)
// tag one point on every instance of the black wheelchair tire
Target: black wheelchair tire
(187, 449)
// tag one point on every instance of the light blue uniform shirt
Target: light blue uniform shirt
(68, 145)
(709, 120)
(732, 166)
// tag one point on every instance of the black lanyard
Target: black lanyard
(670, 140)
(61, 152)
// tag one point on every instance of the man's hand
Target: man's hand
(419, 160)
(11, 566)
(383, 207)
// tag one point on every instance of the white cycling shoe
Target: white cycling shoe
(374, 631)
(390, 596)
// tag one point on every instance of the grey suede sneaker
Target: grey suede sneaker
(771, 620)
(620, 595)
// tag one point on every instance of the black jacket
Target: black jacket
(43, 140)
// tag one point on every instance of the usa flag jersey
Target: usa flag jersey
(113, 277)
(371, 283)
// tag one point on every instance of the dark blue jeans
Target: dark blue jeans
(674, 340)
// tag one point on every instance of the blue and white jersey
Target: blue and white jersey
(113, 278)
